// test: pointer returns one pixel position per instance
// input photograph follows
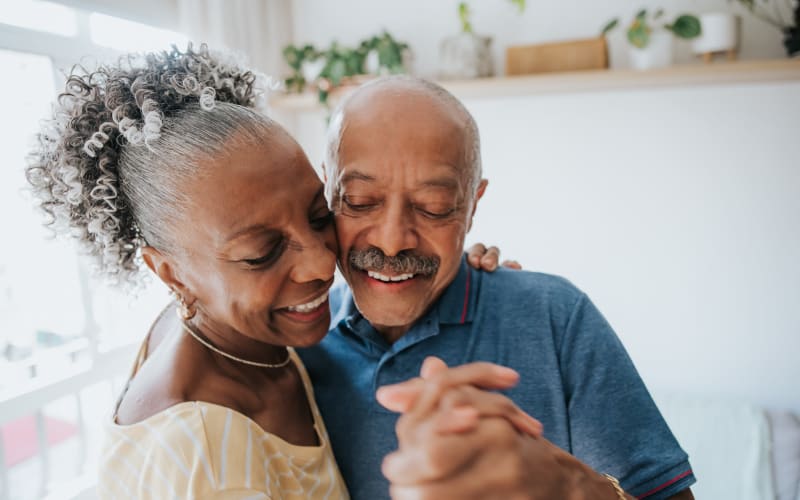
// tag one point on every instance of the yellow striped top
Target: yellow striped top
(198, 450)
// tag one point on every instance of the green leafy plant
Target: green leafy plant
(342, 62)
(389, 51)
(295, 57)
(685, 26)
(465, 14)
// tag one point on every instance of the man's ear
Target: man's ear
(163, 266)
(478, 195)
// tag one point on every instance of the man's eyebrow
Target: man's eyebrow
(441, 182)
(355, 175)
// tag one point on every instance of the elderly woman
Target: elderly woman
(170, 162)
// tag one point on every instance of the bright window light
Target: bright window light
(40, 297)
(40, 16)
(127, 35)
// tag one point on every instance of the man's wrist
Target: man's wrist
(591, 485)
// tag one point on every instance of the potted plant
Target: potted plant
(385, 55)
(298, 58)
(650, 41)
(783, 15)
(720, 35)
(326, 70)
(467, 54)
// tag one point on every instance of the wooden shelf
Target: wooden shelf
(720, 73)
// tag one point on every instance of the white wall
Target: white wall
(423, 23)
(677, 210)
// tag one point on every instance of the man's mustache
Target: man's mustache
(373, 259)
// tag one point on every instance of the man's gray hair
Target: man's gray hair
(337, 125)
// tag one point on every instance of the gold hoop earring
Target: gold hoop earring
(186, 311)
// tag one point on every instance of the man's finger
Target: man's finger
(431, 366)
(440, 458)
(480, 374)
(403, 396)
(400, 397)
(456, 420)
(432, 457)
(512, 264)
(485, 404)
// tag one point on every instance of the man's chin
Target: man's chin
(385, 318)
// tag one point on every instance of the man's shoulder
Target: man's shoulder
(527, 284)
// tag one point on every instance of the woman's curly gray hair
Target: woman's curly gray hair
(107, 166)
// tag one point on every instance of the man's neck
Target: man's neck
(392, 334)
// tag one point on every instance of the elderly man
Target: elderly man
(404, 180)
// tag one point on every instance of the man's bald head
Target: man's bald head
(387, 100)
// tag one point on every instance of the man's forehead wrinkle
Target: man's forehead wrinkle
(397, 113)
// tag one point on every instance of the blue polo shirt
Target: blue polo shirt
(576, 378)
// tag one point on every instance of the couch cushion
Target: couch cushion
(728, 443)
(786, 453)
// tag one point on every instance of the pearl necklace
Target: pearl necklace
(191, 331)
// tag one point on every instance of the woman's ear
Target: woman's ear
(164, 267)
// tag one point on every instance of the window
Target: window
(41, 16)
(127, 35)
(59, 327)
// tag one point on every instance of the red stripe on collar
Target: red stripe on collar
(466, 299)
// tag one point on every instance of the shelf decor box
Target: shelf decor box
(573, 55)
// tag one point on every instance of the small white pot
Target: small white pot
(720, 33)
(372, 63)
(312, 69)
(466, 55)
(657, 54)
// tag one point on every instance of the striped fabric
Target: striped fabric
(203, 450)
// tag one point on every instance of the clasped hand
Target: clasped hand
(459, 440)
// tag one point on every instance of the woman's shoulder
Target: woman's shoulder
(173, 453)
(175, 370)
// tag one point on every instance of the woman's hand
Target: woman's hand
(486, 259)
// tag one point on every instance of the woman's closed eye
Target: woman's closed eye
(268, 258)
(320, 222)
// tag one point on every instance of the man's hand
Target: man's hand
(486, 259)
(457, 393)
(488, 459)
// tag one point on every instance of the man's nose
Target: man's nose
(394, 231)
(314, 260)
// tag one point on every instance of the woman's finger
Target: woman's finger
(475, 253)
(490, 259)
